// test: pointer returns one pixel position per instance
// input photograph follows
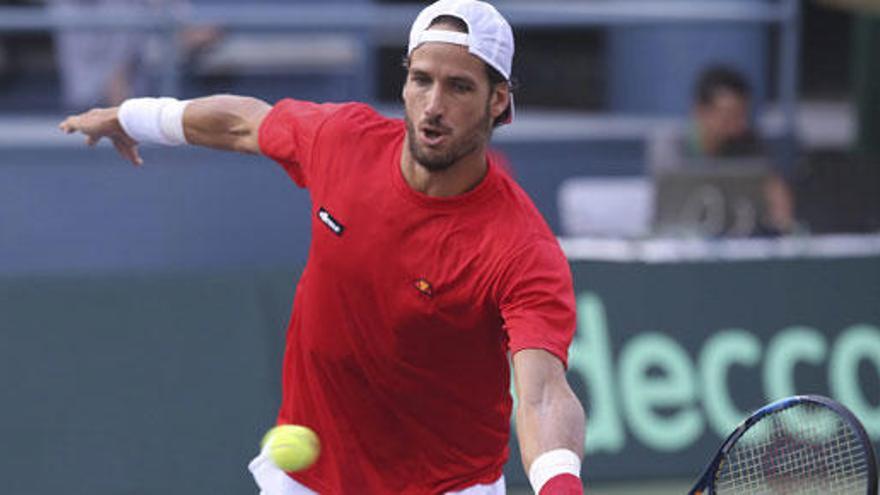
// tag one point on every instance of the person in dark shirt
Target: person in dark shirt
(720, 133)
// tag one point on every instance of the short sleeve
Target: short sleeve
(537, 300)
(291, 131)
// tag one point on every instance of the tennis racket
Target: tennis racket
(807, 444)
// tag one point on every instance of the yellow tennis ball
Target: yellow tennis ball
(292, 447)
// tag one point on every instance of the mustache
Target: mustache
(435, 122)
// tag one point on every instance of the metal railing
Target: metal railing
(383, 22)
(397, 17)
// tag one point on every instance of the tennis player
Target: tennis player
(430, 272)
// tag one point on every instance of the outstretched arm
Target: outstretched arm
(550, 423)
(223, 122)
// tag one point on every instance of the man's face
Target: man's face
(449, 104)
(725, 118)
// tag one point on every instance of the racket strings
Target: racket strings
(802, 450)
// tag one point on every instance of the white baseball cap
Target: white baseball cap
(489, 36)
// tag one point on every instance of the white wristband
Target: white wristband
(553, 463)
(153, 120)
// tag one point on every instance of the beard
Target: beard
(437, 161)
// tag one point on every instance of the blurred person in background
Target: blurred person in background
(720, 124)
(105, 67)
(720, 133)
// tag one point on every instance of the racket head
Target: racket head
(802, 444)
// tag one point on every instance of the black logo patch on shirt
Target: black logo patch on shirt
(330, 222)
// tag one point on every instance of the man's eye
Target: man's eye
(421, 80)
(462, 87)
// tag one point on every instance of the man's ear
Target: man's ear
(405, 64)
(500, 99)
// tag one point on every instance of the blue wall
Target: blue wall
(64, 210)
(652, 69)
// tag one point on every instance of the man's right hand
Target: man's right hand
(103, 123)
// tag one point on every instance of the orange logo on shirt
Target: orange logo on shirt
(424, 287)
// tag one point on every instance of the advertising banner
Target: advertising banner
(670, 356)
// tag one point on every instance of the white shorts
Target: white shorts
(273, 481)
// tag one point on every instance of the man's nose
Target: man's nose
(436, 102)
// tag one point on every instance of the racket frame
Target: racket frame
(706, 483)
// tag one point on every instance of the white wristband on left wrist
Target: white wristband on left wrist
(153, 120)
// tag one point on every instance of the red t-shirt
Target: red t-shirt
(406, 310)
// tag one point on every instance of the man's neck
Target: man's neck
(459, 178)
